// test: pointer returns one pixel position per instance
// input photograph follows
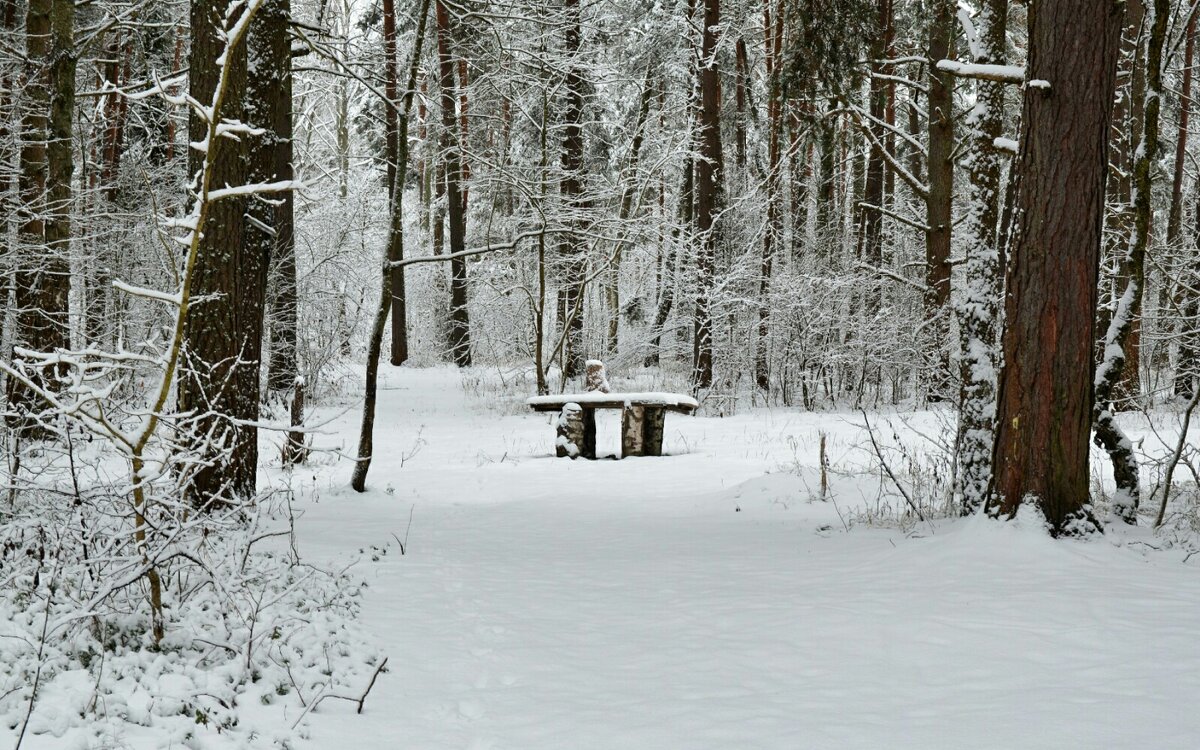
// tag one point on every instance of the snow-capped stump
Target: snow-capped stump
(643, 417)
(569, 440)
(597, 378)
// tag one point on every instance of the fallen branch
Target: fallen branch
(888, 469)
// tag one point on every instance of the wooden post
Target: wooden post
(570, 433)
(633, 435)
(589, 433)
(655, 422)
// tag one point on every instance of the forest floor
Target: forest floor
(710, 598)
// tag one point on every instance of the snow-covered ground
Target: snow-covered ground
(710, 598)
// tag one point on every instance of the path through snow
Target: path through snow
(703, 601)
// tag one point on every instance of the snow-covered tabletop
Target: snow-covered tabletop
(597, 400)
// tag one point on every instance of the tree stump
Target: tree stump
(655, 423)
(294, 448)
(633, 431)
(597, 377)
(570, 432)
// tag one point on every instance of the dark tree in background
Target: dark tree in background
(710, 173)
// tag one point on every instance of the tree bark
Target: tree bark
(366, 434)
(871, 240)
(939, 204)
(395, 185)
(1188, 300)
(1046, 388)
(269, 232)
(979, 307)
(1122, 338)
(42, 276)
(772, 232)
(710, 170)
(570, 249)
(221, 334)
(460, 323)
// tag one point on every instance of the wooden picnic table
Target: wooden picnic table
(643, 416)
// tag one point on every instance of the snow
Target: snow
(704, 599)
(649, 398)
(1005, 73)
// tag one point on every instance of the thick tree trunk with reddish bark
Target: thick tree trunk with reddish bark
(1046, 390)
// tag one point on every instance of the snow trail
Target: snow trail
(700, 600)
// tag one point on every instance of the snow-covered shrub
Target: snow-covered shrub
(248, 627)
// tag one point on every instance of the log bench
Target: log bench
(643, 416)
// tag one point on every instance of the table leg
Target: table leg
(589, 433)
(633, 430)
(653, 431)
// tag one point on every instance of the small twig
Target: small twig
(404, 544)
(371, 684)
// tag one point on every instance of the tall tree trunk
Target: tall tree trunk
(1120, 341)
(571, 191)
(871, 240)
(460, 323)
(939, 204)
(1175, 216)
(613, 285)
(366, 435)
(395, 184)
(8, 24)
(1187, 299)
(772, 231)
(269, 231)
(1046, 387)
(666, 299)
(42, 278)
(827, 147)
(220, 333)
(710, 170)
(60, 162)
(979, 306)
(742, 71)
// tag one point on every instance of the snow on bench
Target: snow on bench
(597, 400)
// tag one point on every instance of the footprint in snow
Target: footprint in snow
(470, 709)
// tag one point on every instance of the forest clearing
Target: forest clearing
(611, 374)
(706, 599)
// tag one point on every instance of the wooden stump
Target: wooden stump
(589, 433)
(294, 448)
(569, 442)
(597, 378)
(656, 420)
(633, 431)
